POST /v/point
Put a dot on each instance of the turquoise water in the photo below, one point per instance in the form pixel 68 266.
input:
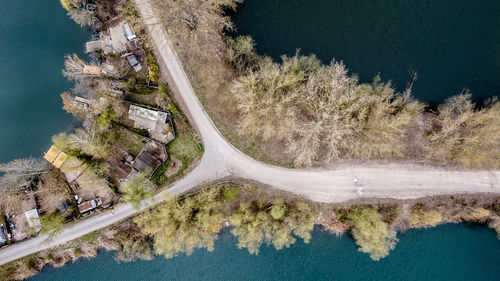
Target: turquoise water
pixel 36 35
pixel 448 252
pixel 451 44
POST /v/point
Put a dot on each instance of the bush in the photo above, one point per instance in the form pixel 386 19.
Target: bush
pixel 163 90
pixel 278 224
pixel 475 214
pixel 154 70
pixel 66 4
pixel 105 119
pixel 91 237
pixel 142 132
pixel 231 193
pixel 372 235
pixel 495 224
pixel 138 188
pixel 133 249
pixel 77 252
pixel 172 108
pixel 180 226
pixel 51 223
pixel 425 218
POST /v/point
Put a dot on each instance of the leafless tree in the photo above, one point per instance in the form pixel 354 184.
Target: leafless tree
pixel 77 11
pixel 73 67
pixel 467 135
pixel 20 171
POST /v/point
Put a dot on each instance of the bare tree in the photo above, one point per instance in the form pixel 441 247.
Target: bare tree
pixel 76 69
pixel 322 112
pixel 20 171
pixel 467 135
pixel 91 142
pixel 73 67
pixel 77 11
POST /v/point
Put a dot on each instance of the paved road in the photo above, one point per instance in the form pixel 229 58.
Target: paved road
pixel 221 159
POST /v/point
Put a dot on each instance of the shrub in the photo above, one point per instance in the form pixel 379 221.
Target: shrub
pixel 91 237
pixel 180 226
pixel 425 218
pixel 372 235
pixel 77 252
pixel 105 119
pixel 66 4
pixel 172 108
pixel 278 224
pixel 231 193
pixel 142 132
pixel 162 89
pixel 51 223
pixel 495 224
pixel 475 214
pixel 138 188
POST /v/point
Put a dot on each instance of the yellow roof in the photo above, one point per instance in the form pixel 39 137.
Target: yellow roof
pixel 52 154
pixel 55 156
pixel 60 160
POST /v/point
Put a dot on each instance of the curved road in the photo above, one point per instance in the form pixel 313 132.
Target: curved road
pixel 222 159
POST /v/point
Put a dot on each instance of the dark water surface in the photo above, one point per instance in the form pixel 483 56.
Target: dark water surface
pixel 451 44
pixel 448 252
pixel 35 36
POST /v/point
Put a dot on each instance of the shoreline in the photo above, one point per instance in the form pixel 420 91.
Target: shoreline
pixel 104 240
pixel 68 257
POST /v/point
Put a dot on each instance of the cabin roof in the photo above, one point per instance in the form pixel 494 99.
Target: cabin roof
pixel 87 206
pixel 61 158
pixel 52 154
pixel 122 170
pixel 55 156
pixel 128 32
pixel 93 46
pixel 33 219
pixel 145 160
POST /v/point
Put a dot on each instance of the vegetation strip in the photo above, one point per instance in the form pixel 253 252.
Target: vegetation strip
pixel 259 215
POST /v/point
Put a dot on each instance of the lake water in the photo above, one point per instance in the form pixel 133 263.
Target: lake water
pixel 35 37
pixel 451 44
pixel 447 252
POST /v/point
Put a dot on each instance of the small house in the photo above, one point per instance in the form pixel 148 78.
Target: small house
pixel 89 205
pixel 128 32
pixel 157 122
pixel 103 44
pixel 145 160
pixel 33 219
pixel 122 169
pixel 55 156
pixel 31 212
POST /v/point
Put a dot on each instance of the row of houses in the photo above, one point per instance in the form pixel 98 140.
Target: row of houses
pixel 117 39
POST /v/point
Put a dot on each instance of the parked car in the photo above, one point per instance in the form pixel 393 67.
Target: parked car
pixel 132 60
pixel 3 234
